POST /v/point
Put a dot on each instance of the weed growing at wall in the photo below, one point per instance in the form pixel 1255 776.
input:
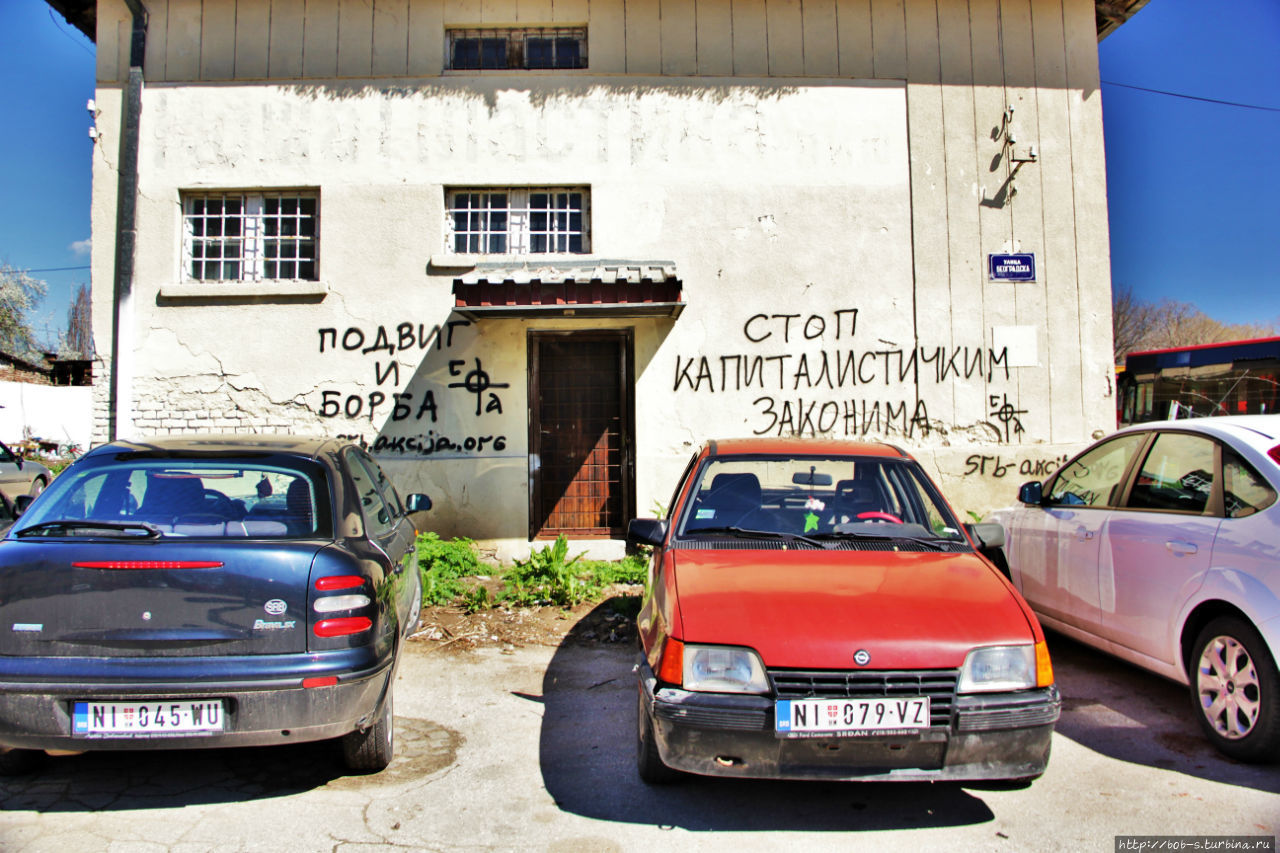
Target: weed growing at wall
pixel 549 576
pixel 442 566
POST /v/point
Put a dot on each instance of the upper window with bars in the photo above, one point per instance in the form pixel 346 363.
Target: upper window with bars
pixel 476 49
pixel 249 237
pixel 518 221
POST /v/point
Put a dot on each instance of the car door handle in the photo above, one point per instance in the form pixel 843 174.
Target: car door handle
pixel 1181 549
pixel 1084 534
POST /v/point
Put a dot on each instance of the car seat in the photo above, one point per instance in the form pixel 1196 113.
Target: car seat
pixel 730 497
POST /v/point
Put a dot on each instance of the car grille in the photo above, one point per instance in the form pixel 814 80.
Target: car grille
pixel 938 684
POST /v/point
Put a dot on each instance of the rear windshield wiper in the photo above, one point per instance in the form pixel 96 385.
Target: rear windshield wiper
pixel 149 531
pixel 935 544
pixel 747 533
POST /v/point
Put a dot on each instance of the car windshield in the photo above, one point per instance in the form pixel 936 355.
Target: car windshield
pixel 818 498
pixel 181 497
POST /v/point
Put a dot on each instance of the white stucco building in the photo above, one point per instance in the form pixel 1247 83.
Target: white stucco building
pixel 535 251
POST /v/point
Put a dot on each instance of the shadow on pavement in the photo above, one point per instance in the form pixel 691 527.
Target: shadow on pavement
pixel 159 779
pixel 1126 713
pixel 587 753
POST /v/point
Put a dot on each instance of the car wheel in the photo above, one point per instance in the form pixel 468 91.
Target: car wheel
pixel 37 486
pixel 648 761
pixel 415 615
pixel 371 750
pixel 1236 690
pixel 15 762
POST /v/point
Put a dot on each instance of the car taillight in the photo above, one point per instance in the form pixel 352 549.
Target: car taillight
pixel 335 582
pixel 146 564
pixel 341 594
pixel 338 603
pixel 1274 453
pixel 1044 669
pixel 342 626
pixel 671 668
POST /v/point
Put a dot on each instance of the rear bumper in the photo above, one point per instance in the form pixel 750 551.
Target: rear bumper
pixel 999 736
pixel 263 698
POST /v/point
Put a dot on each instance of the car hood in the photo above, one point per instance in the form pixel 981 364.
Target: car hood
pixel 813 610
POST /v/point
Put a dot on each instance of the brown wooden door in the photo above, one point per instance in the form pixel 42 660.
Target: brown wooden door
pixel 580 434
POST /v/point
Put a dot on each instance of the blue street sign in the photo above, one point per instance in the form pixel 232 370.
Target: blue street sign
pixel 1019 267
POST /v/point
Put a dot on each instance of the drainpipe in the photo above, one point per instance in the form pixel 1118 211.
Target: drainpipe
pixel 120 396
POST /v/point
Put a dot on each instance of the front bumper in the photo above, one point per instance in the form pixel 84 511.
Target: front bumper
pixel 996 736
pixel 263 698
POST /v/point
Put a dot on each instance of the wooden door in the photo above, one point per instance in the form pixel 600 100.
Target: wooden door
pixel 580 434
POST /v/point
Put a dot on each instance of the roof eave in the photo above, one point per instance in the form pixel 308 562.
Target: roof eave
pixel 83 14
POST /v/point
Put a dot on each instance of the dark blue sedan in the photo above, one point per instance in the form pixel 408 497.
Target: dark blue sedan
pixel 205 592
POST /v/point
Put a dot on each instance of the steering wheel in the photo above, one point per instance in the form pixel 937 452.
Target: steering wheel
pixel 878 516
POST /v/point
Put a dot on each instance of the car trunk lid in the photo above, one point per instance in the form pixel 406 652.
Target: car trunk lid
pixel 158 598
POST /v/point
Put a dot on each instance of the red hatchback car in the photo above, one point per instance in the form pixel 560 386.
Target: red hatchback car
pixel 815 611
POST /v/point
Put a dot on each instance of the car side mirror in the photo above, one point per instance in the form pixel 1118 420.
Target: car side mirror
pixel 989 534
pixel 417 503
pixel 646 531
pixel 1031 493
pixel 20 504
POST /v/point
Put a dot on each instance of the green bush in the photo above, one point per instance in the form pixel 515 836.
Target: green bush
pixel 442 563
pixel 550 576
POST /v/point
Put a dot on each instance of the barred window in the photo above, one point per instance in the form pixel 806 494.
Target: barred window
pixel 518 221
pixel 250 237
pixel 525 47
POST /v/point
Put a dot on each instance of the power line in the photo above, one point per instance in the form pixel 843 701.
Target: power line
pixel 57 269
pixel 1194 97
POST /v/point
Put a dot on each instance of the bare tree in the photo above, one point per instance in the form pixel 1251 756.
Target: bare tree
pixel 1131 319
pixel 19 294
pixel 1137 325
pixel 77 340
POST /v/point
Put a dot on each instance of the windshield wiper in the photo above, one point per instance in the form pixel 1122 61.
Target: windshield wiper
pixel 935 544
pixel 758 534
pixel 149 531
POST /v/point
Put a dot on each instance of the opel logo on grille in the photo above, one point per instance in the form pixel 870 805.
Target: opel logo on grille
pixel 275 607
pixel 862 657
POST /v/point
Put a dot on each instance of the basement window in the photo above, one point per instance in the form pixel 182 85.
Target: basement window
pixel 250 237
pixel 518 221
pixel 474 49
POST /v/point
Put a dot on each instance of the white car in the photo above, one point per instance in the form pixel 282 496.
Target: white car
pixel 1160 544
pixel 20 476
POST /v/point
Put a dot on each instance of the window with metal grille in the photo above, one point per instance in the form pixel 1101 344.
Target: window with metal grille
pixel 517 221
pixel 250 236
pixel 523 47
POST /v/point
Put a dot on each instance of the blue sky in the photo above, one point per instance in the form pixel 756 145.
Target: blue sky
pixel 1193 185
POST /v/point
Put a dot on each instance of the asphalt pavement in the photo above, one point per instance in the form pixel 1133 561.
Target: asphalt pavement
pixel 533 749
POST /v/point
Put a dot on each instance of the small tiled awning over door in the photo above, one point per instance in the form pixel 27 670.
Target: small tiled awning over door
pixel 588 288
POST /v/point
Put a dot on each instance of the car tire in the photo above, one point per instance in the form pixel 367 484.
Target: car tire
pixel 372 749
pixel 415 614
pixel 649 763
pixel 15 762
pixel 1235 690
pixel 37 486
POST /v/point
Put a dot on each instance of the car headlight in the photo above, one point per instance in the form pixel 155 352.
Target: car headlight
pixel 723 669
pixel 998 668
